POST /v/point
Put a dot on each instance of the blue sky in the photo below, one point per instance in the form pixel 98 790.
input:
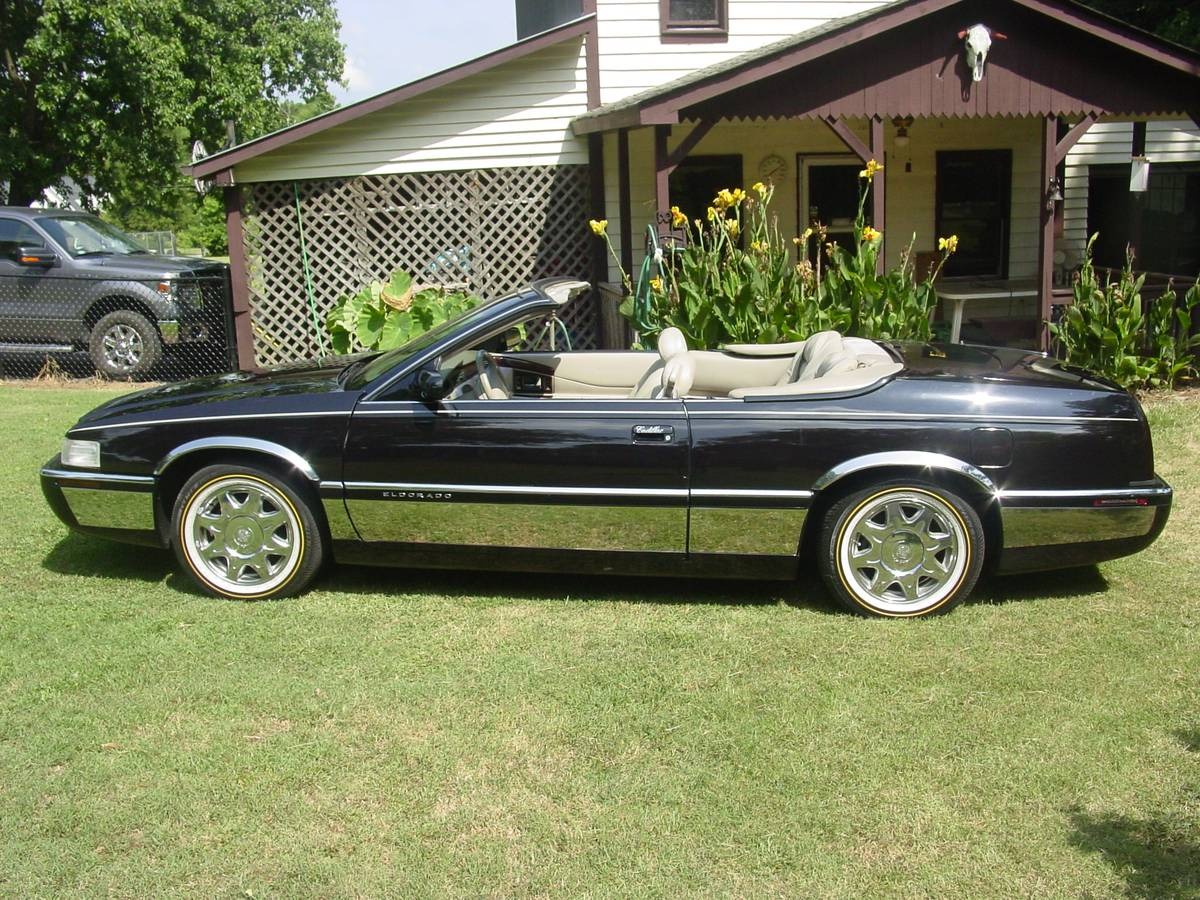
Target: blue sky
pixel 391 43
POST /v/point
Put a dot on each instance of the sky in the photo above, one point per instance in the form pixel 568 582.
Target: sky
pixel 388 44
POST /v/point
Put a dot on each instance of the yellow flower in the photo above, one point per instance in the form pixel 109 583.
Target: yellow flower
pixel 724 199
pixel 870 171
pixel 712 214
pixel 733 228
pixel 656 284
pixel 949 244
pixel 738 195
pixel 803 238
pixel 870 235
pixel 759 188
pixel 598 226
pixel 678 219
pixel 698 223
pixel 759 246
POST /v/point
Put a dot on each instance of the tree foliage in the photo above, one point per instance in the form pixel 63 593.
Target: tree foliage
pixel 108 92
pixel 1170 19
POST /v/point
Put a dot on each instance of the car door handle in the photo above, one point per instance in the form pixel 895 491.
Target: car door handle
pixel 653 434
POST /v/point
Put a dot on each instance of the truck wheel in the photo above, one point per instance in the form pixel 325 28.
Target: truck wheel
pixel 124 345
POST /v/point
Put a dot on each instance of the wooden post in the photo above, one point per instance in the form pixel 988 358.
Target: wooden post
pixel 597 207
pixel 878 185
pixel 1137 199
pixel 662 172
pixel 239 280
pixel 625 201
pixel 1046 244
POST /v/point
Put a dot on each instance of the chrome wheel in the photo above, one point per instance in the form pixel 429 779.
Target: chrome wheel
pixel 903 551
pixel 122 347
pixel 241 535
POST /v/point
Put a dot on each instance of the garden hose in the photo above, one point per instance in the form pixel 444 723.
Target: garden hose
pixel 322 350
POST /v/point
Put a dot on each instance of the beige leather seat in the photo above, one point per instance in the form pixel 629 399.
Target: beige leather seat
pixel 671 345
pixel 821 351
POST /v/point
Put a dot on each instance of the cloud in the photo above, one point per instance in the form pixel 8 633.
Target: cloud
pixel 358 80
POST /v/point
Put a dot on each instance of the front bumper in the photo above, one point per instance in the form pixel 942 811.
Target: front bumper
pixel 118 507
pixel 186 332
pixel 1061 529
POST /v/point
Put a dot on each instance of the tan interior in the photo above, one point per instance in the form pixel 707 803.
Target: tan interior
pixel 824 363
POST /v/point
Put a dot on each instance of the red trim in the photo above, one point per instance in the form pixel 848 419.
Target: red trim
pixel 239 280
pixel 697 29
pixel 578 28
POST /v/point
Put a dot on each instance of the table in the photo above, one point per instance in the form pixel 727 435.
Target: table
pixel 981 289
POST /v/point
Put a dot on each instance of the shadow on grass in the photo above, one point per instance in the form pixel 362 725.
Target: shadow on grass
pixel 804 593
pixel 1060 583
pixel 78 554
pixel 1157 857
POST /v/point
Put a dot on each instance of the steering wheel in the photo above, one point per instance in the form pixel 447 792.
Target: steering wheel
pixel 489 376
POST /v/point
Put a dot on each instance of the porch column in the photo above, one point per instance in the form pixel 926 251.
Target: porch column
pixel 596 203
pixel 239 281
pixel 624 200
pixel 662 172
pixel 1054 151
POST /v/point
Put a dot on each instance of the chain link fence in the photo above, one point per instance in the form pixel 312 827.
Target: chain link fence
pixel 124 329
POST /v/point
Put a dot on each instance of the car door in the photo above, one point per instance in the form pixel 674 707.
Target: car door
pixel 536 473
pixel 24 317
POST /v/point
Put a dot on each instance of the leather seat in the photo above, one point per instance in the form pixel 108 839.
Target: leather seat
pixel 671 345
pixel 819 351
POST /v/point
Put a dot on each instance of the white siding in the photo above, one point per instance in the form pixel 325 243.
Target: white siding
pixel 1108 143
pixel 910 195
pixel 516 114
pixel 634 58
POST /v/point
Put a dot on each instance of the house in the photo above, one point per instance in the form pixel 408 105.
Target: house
pixel 486 173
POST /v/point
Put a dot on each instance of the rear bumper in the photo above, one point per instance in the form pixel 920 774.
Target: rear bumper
pixel 1060 529
pixel 117 507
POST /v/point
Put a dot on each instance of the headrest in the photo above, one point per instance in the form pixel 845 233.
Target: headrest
pixel 837 364
pixel 678 375
pixel 671 342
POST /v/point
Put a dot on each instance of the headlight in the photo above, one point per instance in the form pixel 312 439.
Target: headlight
pixel 84 454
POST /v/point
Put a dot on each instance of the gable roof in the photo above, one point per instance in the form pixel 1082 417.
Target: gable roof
pixel 226 159
pixel 662 105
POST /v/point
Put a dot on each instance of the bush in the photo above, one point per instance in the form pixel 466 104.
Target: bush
pixel 1110 331
pixel 734 281
pixel 388 314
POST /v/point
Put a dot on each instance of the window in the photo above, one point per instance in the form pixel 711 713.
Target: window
pixel 827 194
pixel 973 198
pixel 1162 224
pixel 694 20
pixel 15 234
pixel 696 181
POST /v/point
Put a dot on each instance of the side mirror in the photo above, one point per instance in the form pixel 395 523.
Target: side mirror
pixel 431 385
pixel 35 257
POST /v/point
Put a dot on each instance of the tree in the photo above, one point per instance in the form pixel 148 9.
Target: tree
pixel 1170 19
pixel 106 92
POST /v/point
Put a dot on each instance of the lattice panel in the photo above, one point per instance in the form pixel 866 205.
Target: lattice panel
pixel 490 231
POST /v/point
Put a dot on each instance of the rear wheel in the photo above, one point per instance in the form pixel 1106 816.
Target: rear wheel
pixel 245 533
pixel 901 549
pixel 124 344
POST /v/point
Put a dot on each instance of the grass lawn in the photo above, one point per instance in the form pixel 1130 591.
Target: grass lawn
pixel 414 733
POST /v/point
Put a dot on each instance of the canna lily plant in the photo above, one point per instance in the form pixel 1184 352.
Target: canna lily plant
pixel 735 279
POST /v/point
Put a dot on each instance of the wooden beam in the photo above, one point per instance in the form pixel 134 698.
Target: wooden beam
pixel 688 144
pixel 1071 138
pixel 1137 199
pixel 239 281
pixel 848 137
pixel 625 200
pixel 878 186
pixel 596 204
pixel 1046 211
pixel 662 172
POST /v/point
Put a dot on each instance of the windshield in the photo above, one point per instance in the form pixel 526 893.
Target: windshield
pixel 89 236
pixel 377 365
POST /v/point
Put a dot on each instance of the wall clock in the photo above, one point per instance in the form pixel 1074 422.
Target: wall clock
pixel 772 169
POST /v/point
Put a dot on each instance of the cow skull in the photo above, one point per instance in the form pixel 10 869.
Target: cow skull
pixel 979 42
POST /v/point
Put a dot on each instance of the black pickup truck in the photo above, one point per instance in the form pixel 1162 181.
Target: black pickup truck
pixel 70 281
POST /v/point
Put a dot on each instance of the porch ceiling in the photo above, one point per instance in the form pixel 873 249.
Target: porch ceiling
pixel 906 59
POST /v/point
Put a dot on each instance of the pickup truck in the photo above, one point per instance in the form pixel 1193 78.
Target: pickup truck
pixel 70 281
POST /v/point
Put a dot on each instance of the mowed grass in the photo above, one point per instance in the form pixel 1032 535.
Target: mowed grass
pixel 399 733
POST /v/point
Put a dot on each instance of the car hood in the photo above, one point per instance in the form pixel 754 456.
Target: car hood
pixel 142 266
pixel 1004 365
pixel 228 394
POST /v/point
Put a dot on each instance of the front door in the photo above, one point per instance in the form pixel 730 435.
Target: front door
pixel 601 474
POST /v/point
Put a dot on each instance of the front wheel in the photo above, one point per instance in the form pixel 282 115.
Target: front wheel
pixel 244 533
pixel 124 345
pixel 901 549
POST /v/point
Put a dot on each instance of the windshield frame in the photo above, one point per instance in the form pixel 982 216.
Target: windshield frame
pixel 104 233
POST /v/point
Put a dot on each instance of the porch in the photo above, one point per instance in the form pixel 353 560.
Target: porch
pixel 983 160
